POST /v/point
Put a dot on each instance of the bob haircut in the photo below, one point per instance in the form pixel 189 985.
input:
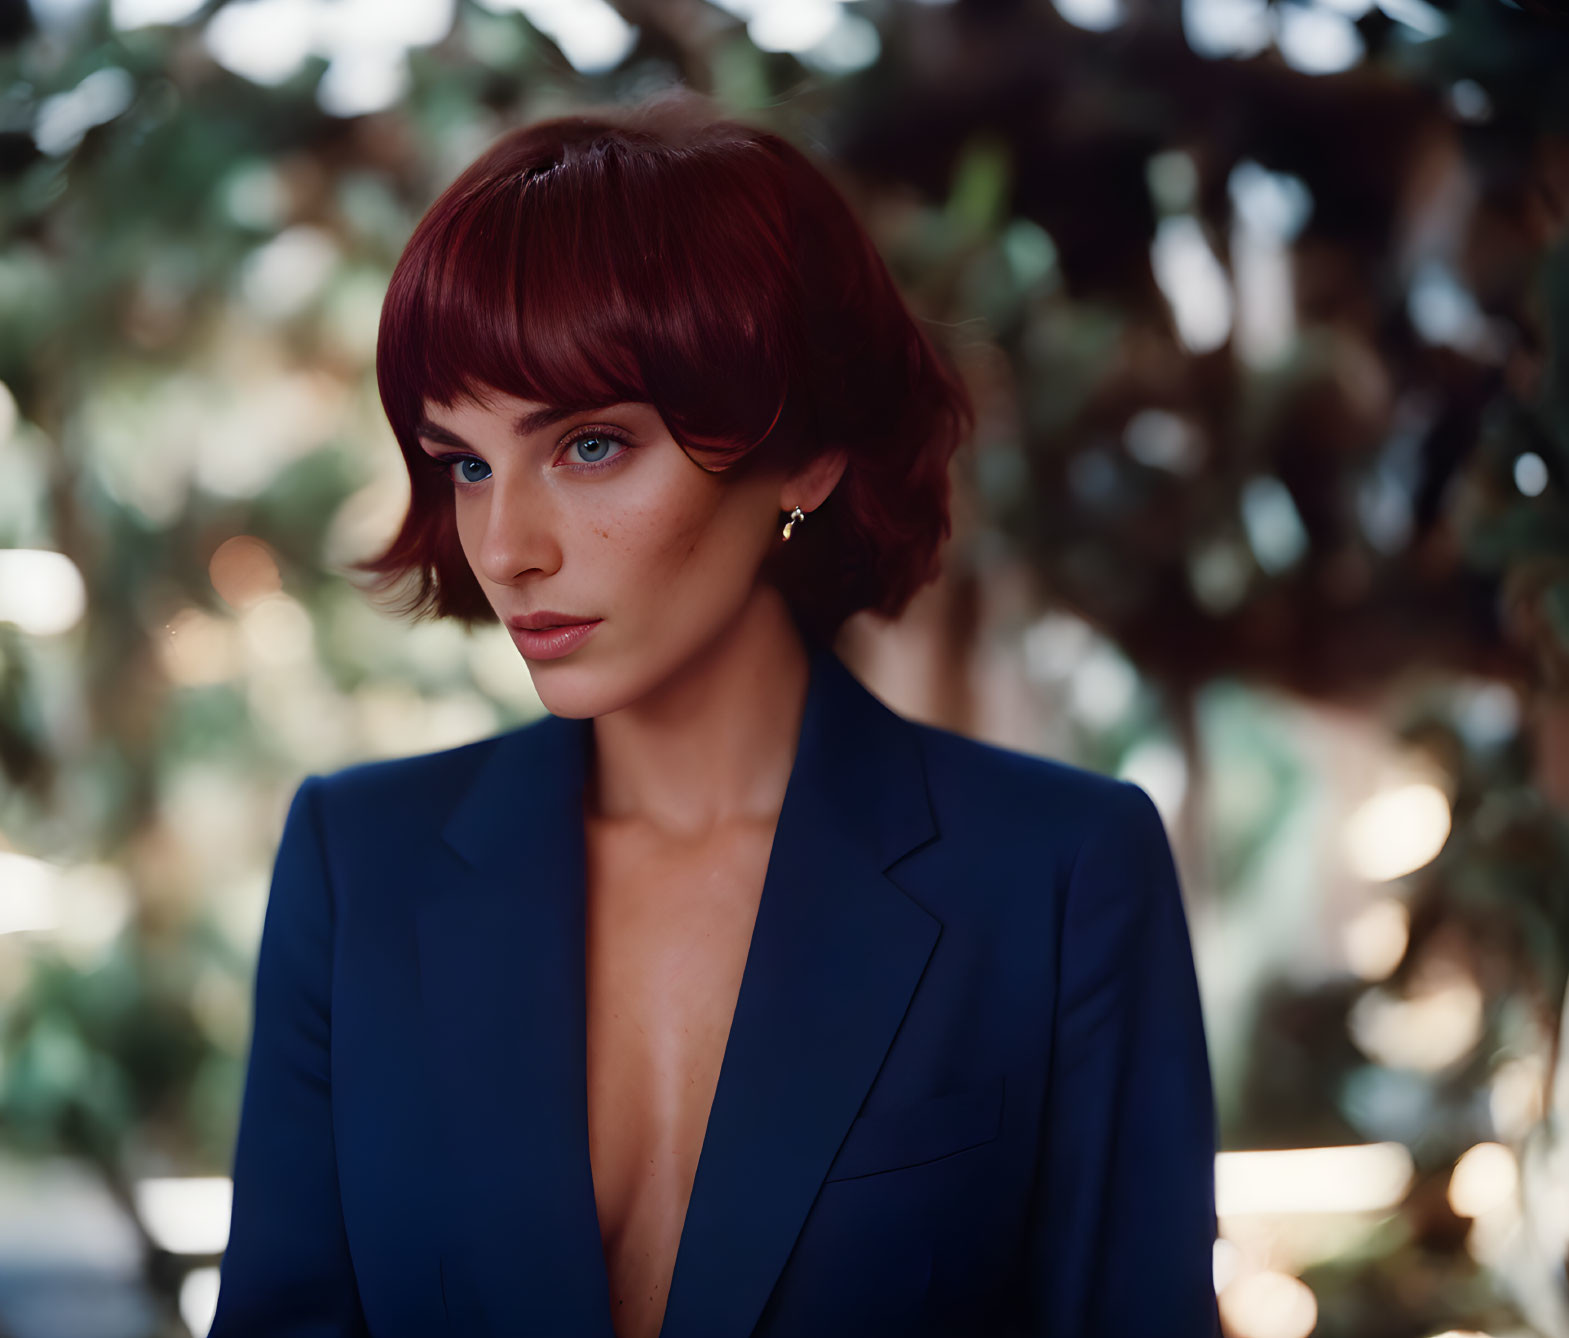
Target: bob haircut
pixel 657 253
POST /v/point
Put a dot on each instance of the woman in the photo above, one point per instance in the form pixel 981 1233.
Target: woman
pixel 721 1000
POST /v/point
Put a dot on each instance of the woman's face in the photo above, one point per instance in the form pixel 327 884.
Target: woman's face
pixel 601 515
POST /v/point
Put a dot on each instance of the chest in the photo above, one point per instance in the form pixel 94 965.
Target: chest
pixel 668 929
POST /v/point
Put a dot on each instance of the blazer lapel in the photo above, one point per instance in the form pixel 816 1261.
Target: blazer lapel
pixel 836 953
pixel 502 994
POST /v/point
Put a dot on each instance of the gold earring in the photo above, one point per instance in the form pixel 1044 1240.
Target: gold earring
pixel 795 514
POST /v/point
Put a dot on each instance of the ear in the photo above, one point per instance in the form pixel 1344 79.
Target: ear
pixel 809 486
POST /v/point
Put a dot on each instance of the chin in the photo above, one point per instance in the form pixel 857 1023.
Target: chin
pixel 560 699
pixel 569 690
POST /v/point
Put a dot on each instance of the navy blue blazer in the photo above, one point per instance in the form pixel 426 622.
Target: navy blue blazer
pixel 966 1090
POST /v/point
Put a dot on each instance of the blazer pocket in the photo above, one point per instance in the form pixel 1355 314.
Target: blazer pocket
pixel 940 1125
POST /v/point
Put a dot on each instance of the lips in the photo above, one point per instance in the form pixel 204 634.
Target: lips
pixel 549 643
pixel 546 620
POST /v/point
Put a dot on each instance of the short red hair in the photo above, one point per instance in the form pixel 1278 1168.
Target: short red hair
pixel 657 253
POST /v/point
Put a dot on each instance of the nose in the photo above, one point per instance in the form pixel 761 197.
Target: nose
pixel 519 535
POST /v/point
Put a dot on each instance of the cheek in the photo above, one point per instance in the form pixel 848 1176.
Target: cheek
pixel 685 544
pixel 465 522
pixel 469 523
pixel 659 545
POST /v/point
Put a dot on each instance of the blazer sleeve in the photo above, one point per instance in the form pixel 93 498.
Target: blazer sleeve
pixel 286 1272
pixel 1123 1224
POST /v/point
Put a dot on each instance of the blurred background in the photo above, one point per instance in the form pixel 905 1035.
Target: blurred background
pixel 1262 303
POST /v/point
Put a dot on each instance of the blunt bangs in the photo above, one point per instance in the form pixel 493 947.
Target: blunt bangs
pixel 604 278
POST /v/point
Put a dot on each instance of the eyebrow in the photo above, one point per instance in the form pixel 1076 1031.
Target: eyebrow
pixel 524 425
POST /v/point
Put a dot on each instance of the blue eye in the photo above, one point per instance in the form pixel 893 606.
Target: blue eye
pixel 592 445
pixel 590 460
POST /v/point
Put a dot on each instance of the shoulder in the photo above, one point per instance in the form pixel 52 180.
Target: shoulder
pixel 408 789
pixel 978 782
pixel 1097 842
pixel 1030 844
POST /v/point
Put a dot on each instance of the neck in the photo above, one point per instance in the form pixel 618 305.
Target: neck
pixel 716 740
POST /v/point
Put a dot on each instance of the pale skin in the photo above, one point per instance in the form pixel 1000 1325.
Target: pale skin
pixel 696 682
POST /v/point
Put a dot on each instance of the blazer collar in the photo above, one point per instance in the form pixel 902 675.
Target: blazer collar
pixel 836 953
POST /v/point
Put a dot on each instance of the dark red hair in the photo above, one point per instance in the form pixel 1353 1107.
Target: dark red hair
pixel 657 253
